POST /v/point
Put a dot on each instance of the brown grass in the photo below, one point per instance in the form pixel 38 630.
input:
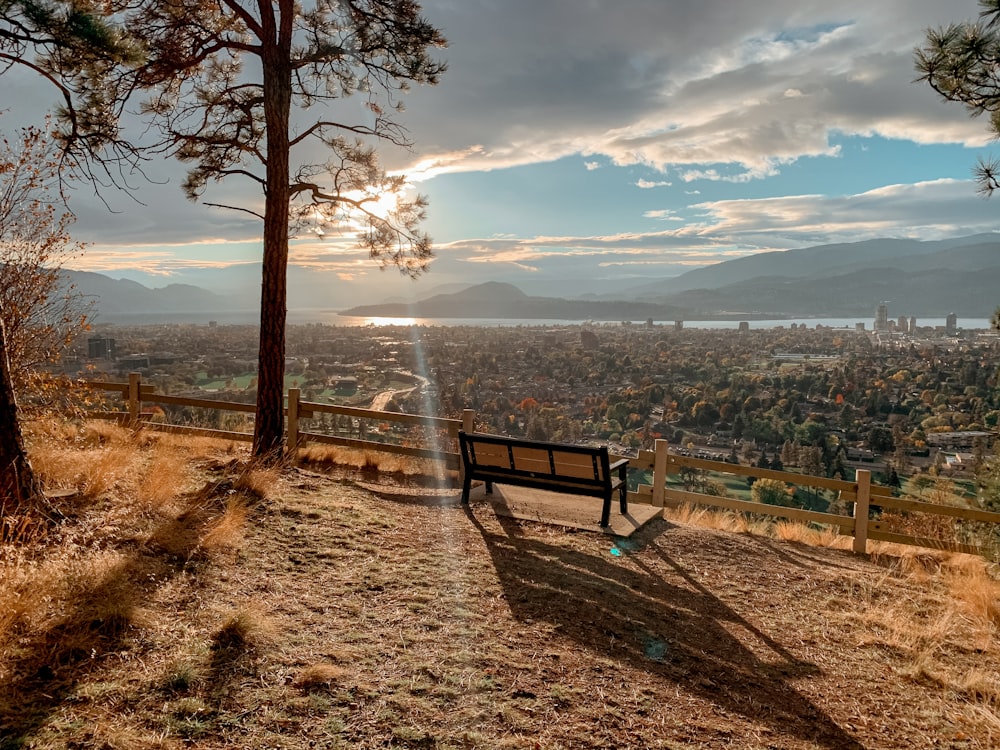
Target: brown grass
pixel 201 600
pixel 323 675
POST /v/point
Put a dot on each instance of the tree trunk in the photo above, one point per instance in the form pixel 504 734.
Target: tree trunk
pixel 19 488
pixel 269 424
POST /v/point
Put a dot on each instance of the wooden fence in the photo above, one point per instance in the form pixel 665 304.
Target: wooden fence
pixel 861 493
pixel 440 443
pixel 440 440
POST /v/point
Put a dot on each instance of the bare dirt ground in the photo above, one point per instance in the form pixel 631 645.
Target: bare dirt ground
pixel 346 617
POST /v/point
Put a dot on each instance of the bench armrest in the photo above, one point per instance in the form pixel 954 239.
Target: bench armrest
pixel 618 464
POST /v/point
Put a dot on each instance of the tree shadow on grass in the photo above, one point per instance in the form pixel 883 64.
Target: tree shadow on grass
pixel 678 631
pixel 102 619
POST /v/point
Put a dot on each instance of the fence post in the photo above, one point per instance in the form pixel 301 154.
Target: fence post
pixel 292 439
pixel 468 425
pixel 660 473
pixel 134 398
pixel 864 480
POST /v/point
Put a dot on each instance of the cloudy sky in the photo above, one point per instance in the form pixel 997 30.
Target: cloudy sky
pixel 579 141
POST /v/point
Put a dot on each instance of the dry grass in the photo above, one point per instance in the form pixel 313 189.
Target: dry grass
pixel 323 675
pixel 201 600
pixel 368 464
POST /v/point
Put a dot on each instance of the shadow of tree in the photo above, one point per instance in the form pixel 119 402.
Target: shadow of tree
pixel 679 632
pixel 102 618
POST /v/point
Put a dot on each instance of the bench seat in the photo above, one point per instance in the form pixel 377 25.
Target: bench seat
pixel 573 469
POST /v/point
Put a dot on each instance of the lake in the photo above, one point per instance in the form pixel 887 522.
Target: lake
pixel 331 317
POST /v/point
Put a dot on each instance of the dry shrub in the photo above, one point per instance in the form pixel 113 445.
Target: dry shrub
pixel 977 592
pixel 319 676
pixel 369 462
pixel 69 606
pixel 981 686
pixel 793 531
pixel 165 476
pixel 243 629
pixel 98 432
pixel 226 533
pixel 924 525
pixel 99 462
pixel 259 482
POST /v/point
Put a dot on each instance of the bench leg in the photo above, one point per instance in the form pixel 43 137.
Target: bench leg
pixel 466 488
pixel 606 511
pixel 489 487
pixel 623 502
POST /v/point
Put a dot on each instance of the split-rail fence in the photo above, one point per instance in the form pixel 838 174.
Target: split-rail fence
pixel 440 444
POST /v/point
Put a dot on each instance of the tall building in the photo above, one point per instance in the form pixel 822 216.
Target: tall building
pixel 101 347
pixel 903 325
pixel 913 324
pixel 951 323
pixel 882 316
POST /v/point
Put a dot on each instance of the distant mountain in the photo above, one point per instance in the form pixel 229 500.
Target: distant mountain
pixel 917 278
pixel 498 300
pixel 829 261
pixel 117 297
pixel 933 292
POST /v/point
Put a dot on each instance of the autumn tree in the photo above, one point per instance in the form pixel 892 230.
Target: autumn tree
pixel 39 315
pixel 40 311
pixel 75 49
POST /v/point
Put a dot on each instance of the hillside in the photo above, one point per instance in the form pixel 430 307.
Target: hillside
pixel 186 599
pixel 498 300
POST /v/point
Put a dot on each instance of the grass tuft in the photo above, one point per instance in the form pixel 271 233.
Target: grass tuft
pixel 322 675
pixel 242 630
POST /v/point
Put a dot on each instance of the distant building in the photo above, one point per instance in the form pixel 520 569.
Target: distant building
pixel 951 323
pixel 744 326
pixel 882 316
pixel 101 347
pixel 903 325
pixel 678 325
pixel 959 439
pixel 913 324
pixel 859 326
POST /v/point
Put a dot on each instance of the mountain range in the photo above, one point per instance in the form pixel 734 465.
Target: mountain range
pixel 917 278
pixel 925 279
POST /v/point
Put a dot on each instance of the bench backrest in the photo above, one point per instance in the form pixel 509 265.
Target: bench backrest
pixel 589 465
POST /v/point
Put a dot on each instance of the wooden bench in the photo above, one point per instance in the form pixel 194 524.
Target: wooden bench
pixel 574 469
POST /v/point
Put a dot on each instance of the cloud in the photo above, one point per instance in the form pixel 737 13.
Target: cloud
pixel 728 229
pixel 716 95
pixel 755 86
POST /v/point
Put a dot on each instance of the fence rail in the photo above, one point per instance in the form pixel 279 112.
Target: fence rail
pixel 441 446
pixel 861 492
pixel 135 394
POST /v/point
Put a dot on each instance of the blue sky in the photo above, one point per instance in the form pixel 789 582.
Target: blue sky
pixel 574 143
